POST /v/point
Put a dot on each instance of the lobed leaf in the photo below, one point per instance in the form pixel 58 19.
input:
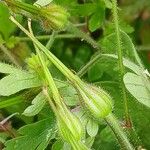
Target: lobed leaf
pixel 14 83
pixel 33 136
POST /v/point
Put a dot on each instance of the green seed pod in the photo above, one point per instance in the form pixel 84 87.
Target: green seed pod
pixel 69 125
pixel 95 100
pixel 54 17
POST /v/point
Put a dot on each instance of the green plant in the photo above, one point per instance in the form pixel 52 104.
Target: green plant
pixel 91 105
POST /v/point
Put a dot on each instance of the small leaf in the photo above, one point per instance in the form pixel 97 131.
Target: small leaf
pixel 37 105
pixel 34 136
pixel 43 2
pixel 92 128
pixel 137 87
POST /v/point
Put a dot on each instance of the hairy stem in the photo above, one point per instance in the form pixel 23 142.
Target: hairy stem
pixel 46 37
pixel 71 28
pixel 120 61
pixel 118 131
pixel 51 40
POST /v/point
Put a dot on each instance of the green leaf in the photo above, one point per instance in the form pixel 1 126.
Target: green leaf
pixel 97 18
pixel 84 9
pixel 9 101
pixel 33 136
pixel 108 3
pixel 58 145
pixel 14 83
pixel 92 128
pixel 104 69
pixel 105 140
pixel 69 94
pixel 37 105
pixel 136 85
pixel 19 80
pixel 109 45
pixel 6 68
pixel 6 26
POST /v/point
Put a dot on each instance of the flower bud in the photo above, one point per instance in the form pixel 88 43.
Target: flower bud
pixel 54 17
pixel 33 62
pixel 69 126
pixel 95 100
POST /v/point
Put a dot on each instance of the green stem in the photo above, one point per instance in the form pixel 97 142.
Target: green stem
pixel 46 37
pixel 118 131
pixel 11 101
pixel 120 60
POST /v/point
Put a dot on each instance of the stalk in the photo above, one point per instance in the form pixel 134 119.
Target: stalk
pixel 51 40
pixel 120 61
pixel 73 29
pixel 118 131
